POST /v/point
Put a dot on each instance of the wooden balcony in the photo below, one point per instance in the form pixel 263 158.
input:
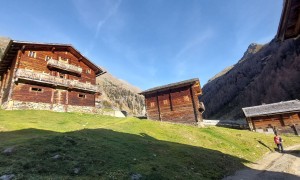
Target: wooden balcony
pixel 64 66
pixel 42 78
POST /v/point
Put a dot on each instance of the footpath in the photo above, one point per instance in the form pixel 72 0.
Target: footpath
pixel 274 165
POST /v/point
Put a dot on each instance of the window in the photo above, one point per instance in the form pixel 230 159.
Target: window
pixel 28 69
pixel 88 71
pixel 63 59
pixel 165 102
pixel 48 58
pixel 36 89
pixel 62 75
pixel 81 95
pixel 152 104
pixel 32 54
pixel 186 98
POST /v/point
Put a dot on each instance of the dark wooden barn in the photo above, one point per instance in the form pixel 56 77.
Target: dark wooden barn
pixel 289 26
pixel 47 76
pixel 282 116
pixel 176 102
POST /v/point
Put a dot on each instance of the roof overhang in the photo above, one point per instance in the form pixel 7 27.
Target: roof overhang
pixel 289 26
pixel 272 109
pixel 14 46
pixel 170 86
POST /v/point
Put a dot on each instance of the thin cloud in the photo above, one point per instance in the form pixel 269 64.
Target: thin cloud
pixel 94 15
pixel 110 13
pixel 194 43
pixel 181 62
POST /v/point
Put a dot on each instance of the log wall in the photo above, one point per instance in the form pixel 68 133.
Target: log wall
pixel 178 105
pixel 39 63
pixel 21 91
pixel 279 121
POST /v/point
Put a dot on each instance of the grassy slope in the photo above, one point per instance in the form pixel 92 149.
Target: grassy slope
pixel 104 147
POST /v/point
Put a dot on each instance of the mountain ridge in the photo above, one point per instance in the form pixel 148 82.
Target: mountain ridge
pixel 266 75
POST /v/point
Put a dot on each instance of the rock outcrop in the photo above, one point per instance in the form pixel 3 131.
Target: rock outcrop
pixel 120 95
pixel 265 74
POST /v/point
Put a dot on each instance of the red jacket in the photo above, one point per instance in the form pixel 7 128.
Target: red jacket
pixel 277 140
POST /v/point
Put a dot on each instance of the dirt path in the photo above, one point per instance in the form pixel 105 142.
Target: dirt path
pixel 274 165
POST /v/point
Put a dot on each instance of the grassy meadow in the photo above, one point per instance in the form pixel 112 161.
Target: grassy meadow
pixel 50 145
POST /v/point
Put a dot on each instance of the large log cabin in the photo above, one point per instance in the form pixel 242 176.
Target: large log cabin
pixel 289 26
pixel 48 77
pixel 176 102
pixel 283 117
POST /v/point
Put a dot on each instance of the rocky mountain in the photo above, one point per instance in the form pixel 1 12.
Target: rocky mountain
pixel 3 44
pixel 265 74
pixel 120 95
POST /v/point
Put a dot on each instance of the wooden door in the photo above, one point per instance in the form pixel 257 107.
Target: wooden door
pixel 59 100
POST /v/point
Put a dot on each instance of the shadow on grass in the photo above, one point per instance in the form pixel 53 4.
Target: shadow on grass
pixel 107 154
pixel 262 143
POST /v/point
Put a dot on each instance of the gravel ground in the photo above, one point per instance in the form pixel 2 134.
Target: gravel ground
pixel 273 166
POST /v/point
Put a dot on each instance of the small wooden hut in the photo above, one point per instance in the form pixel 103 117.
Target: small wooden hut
pixel 283 116
pixel 176 102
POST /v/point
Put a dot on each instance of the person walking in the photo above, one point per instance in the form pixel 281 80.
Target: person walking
pixel 278 141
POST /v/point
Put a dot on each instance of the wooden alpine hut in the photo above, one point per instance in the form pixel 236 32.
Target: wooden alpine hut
pixel 176 102
pixel 47 76
pixel 282 116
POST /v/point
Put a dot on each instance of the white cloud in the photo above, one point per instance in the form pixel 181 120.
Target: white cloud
pixel 95 14
pixel 110 13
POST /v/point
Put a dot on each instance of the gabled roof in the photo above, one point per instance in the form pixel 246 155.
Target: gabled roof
pixel 289 26
pixel 14 46
pixel 270 109
pixel 171 86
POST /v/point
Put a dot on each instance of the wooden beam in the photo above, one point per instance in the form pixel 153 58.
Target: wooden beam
pixel 23 49
pixel 170 99
pixel 297 28
pixel 281 120
pixel 253 124
pixel 194 106
pixel 158 108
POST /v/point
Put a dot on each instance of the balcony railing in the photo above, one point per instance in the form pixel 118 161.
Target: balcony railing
pixel 64 66
pixel 53 80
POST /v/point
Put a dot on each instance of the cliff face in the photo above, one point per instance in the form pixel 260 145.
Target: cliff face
pixel 118 94
pixel 265 74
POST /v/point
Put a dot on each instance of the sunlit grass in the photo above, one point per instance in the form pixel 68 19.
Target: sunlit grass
pixel 112 148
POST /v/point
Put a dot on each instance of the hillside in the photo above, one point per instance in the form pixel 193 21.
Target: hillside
pixel 265 74
pixel 118 94
pixel 47 145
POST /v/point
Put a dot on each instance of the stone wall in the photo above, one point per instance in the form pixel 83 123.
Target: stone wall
pixel 21 105
pixel 84 109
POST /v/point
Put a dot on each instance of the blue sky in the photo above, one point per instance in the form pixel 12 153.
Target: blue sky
pixel 147 42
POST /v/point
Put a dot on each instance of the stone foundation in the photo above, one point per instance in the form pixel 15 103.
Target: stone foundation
pixel 21 105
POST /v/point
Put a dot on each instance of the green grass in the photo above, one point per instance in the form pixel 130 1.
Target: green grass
pixel 104 147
